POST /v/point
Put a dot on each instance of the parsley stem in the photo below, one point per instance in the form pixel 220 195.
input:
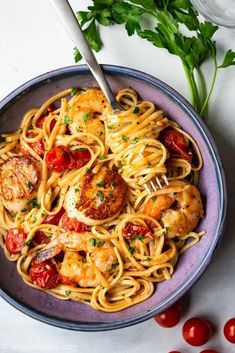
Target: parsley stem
pixel 195 98
pixel 205 104
pixel 202 84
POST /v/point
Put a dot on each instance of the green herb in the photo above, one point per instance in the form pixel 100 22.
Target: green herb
pixel 24 209
pixel 28 184
pixel 136 110
pixel 125 138
pixel 113 266
pixel 100 196
pixel 34 203
pixel 139 237
pixel 110 127
pixel 135 140
pixel 27 243
pixel 80 149
pixel 30 127
pixel 66 120
pixel 153 198
pixel 100 184
pixel 86 117
pixel 100 243
pixel 103 158
pixel 34 219
pixel 74 91
pixel 166 230
pixel 111 196
pixel 149 165
pixel 92 241
pixel 172 20
pixel 131 249
pixel 76 190
pixel 67 292
pixel 87 170
pixel 101 133
pixel 43 213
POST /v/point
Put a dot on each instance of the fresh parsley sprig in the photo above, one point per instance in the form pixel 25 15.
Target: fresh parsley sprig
pixel 171 18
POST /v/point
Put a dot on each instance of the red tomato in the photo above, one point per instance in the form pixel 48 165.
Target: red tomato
pixel 131 230
pixel 15 240
pixel 44 275
pixel 58 158
pixel 66 281
pixel 229 330
pixel 170 317
pixel 197 331
pixel 174 141
pixel 38 146
pixel 80 157
pixel 41 238
pixel 209 351
pixel 54 219
pixel 72 224
pixel 42 118
pixel 174 352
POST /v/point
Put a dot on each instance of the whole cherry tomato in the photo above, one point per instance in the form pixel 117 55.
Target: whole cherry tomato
pixel 15 239
pixel 197 331
pixel 229 330
pixel 170 317
pixel 132 230
pixel 41 238
pixel 72 224
pixel 174 141
pixel 44 275
pixel 209 351
pixel 66 281
pixel 58 159
pixel 54 219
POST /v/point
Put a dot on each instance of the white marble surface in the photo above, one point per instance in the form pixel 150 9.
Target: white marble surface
pixel 33 42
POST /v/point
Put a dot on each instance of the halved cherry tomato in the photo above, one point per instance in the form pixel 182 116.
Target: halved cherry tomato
pixel 197 331
pixel 80 157
pixel 174 141
pixel 169 317
pixel 131 230
pixel 54 219
pixel 44 275
pixel 58 158
pixel 66 281
pixel 209 351
pixel 41 238
pixel 15 239
pixel 42 118
pixel 72 224
pixel 229 330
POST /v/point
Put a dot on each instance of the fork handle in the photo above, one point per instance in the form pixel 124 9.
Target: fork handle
pixel 72 26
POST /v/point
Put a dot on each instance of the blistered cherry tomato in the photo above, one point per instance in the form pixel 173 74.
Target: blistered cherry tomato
pixel 174 141
pixel 209 351
pixel 72 224
pixel 58 158
pixel 132 230
pixel 41 238
pixel 66 281
pixel 197 331
pixel 44 275
pixel 54 219
pixel 42 118
pixel 170 317
pixel 79 158
pixel 229 330
pixel 15 240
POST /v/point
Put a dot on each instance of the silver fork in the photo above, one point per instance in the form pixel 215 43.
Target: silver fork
pixel 155 184
pixel 68 18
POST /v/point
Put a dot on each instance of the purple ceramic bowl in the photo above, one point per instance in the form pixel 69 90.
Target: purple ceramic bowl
pixel 191 265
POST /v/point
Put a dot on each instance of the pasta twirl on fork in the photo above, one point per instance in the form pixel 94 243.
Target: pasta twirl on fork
pixel 77 214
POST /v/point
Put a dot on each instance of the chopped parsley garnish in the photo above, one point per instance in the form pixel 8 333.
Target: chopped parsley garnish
pixel 66 120
pixel 149 165
pixel 153 198
pixel 27 243
pixel 80 149
pixel 30 127
pixel 135 140
pixel 67 292
pixel 125 138
pixel 87 170
pixel 139 237
pixel 24 209
pixel 102 158
pixel 100 184
pixel 166 230
pixel 100 195
pixel 113 266
pixel 86 117
pixel 35 203
pixel 28 184
pixel 43 213
pixel 100 243
pixel 92 241
pixel 111 196
pixel 76 190
pixel 136 110
pixel 110 127
pixel 101 133
pixel 74 91
pixel 95 242
pixel 131 249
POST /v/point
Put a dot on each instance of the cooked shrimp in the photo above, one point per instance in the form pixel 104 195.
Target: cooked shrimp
pixel 178 213
pixel 19 181
pixel 88 108
pixel 101 196
pixel 74 265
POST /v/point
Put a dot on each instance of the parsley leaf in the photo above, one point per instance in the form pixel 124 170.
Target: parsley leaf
pixel 100 196
pixel 86 117
pixel 229 59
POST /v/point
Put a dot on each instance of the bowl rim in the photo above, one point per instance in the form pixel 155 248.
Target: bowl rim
pixel 209 141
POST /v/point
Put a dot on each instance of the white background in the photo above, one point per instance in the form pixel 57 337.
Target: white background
pixel 32 41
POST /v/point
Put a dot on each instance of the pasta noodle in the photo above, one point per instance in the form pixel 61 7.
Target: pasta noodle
pixel 97 206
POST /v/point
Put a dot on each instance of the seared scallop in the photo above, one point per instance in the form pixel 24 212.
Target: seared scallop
pixel 98 199
pixel 19 181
